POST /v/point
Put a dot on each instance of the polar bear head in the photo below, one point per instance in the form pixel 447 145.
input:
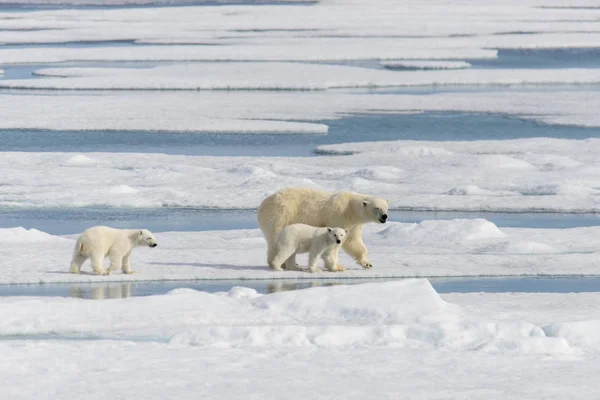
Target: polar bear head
pixel 375 209
pixel 337 235
pixel 146 238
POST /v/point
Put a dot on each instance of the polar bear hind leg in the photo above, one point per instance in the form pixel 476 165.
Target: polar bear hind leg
pixel 77 262
pixel 97 264
pixel 282 256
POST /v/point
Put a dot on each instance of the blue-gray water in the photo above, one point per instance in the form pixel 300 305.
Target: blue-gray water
pixel 65 221
pixel 450 126
pixel 101 291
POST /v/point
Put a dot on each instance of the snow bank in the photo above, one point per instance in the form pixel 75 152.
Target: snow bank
pixel 287 76
pixel 530 175
pixel 20 235
pixel 406 314
pixel 429 249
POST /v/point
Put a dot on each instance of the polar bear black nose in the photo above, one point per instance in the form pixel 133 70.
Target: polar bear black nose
pixel 338 241
pixel 383 218
pixel 153 245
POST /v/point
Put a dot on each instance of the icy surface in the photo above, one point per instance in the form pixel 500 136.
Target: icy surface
pixel 288 76
pixel 273 111
pixel 408 339
pixel 512 175
pixel 468 247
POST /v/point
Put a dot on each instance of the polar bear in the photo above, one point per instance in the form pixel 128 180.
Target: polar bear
pixel 347 210
pixel 301 238
pixel 100 241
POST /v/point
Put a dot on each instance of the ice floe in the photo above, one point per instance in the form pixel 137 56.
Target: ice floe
pixel 524 175
pixel 288 76
pixel 467 247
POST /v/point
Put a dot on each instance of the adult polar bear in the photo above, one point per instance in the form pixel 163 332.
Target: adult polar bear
pixel 347 210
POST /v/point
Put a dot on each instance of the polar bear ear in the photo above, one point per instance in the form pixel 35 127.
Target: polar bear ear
pixel 346 230
pixel 328 229
pixel 365 203
pixel 141 233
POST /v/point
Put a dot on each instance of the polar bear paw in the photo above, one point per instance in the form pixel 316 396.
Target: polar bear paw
pixel 365 264
pixel 101 272
pixel 129 272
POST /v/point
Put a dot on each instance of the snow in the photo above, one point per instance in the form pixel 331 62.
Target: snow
pixel 288 76
pixel 406 337
pixel 355 49
pixel 467 247
pixel 523 175
pixel 273 112
pixel 374 340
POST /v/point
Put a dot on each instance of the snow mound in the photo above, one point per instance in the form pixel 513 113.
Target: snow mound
pixel 425 65
pixel 578 333
pixel 22 235
pixel 240 292
pixel 251 171
pixel 521 247
pixel 421 151
pixel 503 161
pixel 80 159
pixel 380 172
pixel 472 190
pixel 123 189
pixel 451 231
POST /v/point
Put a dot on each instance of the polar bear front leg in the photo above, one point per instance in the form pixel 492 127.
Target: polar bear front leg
pixel 313 256
pixel 126 267
pixel 356 248
pixel 330 257
pixel 115 261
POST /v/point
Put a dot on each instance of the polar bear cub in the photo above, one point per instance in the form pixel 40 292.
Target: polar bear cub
pixel 301 238
pixel 98 242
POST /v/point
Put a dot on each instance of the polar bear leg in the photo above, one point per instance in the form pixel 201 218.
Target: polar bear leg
pixel 125 266
pixel 290 263
pixel 356 248
pixel 312 261
pixel 330 257
pixel 97 261
pixel 77 262
pixel 115 261
pixel 281 256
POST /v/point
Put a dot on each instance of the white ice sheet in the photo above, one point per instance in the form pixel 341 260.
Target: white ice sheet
pixel 471 247
pixel 514 175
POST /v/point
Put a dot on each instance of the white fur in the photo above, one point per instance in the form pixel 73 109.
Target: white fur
pixel 347 210
pixel 301 238
pixel 99 242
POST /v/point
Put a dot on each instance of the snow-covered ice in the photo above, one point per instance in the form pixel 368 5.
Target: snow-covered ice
pixel 512 175
pixel 288 76
pixel 274 111
pixel 397 338
pixel 467 247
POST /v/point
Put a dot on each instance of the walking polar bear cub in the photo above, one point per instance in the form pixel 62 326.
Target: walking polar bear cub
pixel 347 210
pixel 100 241
pixel 300 238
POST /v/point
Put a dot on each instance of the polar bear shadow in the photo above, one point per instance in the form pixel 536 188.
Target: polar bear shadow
pixel 216 266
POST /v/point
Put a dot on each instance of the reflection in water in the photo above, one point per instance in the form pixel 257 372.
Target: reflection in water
pixel 283 286
pixel 123 290
pixel 102 291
